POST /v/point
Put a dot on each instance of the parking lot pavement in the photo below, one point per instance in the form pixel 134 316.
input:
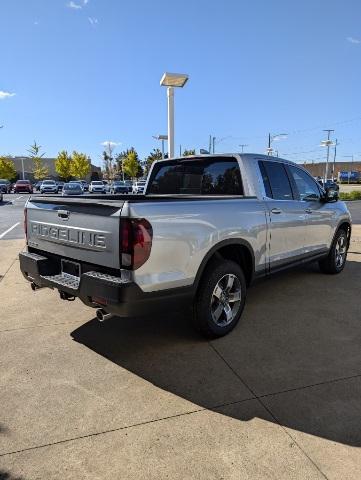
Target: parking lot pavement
pixel 146 398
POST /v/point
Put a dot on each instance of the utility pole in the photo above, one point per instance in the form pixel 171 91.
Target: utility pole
pixel 269 144
pixel 180 150
pixel 327 144
pixel 242 146
pixel 213 142
pixel 334 160
pixel 210 144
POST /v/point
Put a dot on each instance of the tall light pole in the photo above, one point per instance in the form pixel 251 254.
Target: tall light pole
pixel 334 160
pixel 171 80
pixel 327 143
pixel 271 138
pixel 162 138
pixel 242 146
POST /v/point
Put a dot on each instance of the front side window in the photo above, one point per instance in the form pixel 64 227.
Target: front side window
pixel 213 176
pixel 306 186
pixel 276 182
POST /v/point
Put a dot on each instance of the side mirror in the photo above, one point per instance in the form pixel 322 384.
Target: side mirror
pixel 331 195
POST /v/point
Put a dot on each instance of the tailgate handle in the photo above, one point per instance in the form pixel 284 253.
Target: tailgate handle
pixel 64 214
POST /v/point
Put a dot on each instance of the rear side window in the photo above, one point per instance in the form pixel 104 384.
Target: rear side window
pixel 275 180
pixel 217 176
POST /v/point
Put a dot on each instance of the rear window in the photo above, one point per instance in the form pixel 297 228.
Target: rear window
pixel 48 182
pixel 212 176
pixel 23 182
pixel 97 183
pixel 72 186
pixel 275 180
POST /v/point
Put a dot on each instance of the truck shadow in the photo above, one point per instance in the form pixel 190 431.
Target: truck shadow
pixel 297 348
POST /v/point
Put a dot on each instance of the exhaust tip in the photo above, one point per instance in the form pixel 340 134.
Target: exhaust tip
pixel 102 315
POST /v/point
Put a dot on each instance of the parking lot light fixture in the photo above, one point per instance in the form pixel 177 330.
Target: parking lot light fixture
pixel 271 138
pixel 172 80
pixel 162 138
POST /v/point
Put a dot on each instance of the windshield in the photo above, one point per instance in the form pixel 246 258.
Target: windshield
pixel 48 182
pixel 23 182
pixel 98 183
pixel 213 176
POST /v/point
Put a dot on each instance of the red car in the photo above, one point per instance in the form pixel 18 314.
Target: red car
pixel 23 186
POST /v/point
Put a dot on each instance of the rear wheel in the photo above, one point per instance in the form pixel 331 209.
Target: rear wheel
pixel 220 299
pixel 336 259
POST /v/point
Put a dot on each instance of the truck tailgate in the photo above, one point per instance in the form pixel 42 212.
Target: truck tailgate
pixel 84 229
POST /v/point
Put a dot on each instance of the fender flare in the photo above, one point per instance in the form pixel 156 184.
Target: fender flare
pixel 215 249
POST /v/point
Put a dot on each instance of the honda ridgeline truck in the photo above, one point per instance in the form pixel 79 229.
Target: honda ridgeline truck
pixel 204 229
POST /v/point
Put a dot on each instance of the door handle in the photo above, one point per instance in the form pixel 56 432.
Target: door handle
pixel 308 210
pixel 276 211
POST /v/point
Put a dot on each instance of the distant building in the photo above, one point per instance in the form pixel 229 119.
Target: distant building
pixel 26 163
pixel 318 169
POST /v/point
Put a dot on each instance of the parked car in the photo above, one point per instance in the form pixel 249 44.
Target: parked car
pixel 328 184
pixel 79 182
pixel 60 186
pixel 96 186
pixel 1 196
pixel 72 189
pixel 23 186
pixel 5 186
pixel 206 227
pixel 118 187
pixel 138 187
pixel 129 185
pixel 48 186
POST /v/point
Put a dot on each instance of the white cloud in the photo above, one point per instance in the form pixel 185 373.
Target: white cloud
pixel 110 143
pixel 353 40
pixel 93 20
pixel 5 94
pixel 77 6
pixel 36 22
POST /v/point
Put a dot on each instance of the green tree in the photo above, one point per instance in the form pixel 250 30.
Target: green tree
pixel 80 166
pixel 40 171
pixel 7 169
pixel 120 160
pixel 131 164
pixel 154 155
pixel 63 165
pixel 186 152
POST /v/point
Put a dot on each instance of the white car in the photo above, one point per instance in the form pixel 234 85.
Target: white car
pixel 97 186
pixel 138 187
pixel 48 186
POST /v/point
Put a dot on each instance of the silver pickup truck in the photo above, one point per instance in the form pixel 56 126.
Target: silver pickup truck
pixel 205 228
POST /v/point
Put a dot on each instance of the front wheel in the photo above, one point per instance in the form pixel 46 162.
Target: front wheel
pixel 336 259
pixel 220 299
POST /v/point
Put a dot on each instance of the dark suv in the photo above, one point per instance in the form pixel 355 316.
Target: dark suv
pixel 5 186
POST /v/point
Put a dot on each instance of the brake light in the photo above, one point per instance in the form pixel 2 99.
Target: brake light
pixel 135 242
pixel 26 223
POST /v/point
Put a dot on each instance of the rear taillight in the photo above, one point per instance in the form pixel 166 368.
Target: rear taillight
pixel 26 223
pixel 135 242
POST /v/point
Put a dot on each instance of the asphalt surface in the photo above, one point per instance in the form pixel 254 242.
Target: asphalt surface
pixel 12 215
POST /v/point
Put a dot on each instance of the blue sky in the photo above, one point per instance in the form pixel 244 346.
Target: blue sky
pixel 84 72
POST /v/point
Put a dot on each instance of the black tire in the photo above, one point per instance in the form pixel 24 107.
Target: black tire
pixel 206 304
pixel 336 259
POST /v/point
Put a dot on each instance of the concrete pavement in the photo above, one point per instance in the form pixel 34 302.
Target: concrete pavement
pixel 146 398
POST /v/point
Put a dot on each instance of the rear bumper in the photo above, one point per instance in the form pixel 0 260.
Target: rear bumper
pixel 118 295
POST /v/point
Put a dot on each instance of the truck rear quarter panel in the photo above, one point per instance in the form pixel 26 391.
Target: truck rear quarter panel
pixel 185 231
